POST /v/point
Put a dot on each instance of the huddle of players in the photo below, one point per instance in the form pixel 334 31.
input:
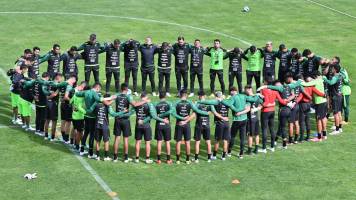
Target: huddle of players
pixel 88 110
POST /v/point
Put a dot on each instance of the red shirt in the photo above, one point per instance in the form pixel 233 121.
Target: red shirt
pixel 270 96
pixel 310 91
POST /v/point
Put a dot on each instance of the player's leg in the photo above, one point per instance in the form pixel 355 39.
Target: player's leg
pixel 187 137
pixel 197 138
pixel 144 80
pixel 221 80
pixel 152 81
pixel 108 74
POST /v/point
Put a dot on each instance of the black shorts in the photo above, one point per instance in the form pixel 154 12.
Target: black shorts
pixel 144 131
pixel 130 66
pixel 222 131
pixel 304 107
pixel 122 125
pixel 294 114
pixel 321 110
pixel 181 131
pixel 336 103
pixel 198 131
pixel 66 112
pixel 163 132
pixel 78 125
pixel 253 127
pixel 102 134
pixel 52 110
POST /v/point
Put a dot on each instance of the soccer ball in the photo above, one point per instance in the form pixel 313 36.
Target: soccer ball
pixel 246 9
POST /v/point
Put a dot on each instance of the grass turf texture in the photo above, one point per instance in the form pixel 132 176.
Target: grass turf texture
pixel 308 171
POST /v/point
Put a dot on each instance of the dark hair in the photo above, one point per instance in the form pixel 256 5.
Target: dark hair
pixel 300 76
pixel 180 38
pixel 56 45
pixel 107 95
pixel 232 88
pixel 253 49
pixel 298 56
pixel 58 74
pixel 23 67
pixel 73 48
pixel 316 74
pixel 236 50
pixel 183 91
pixel 162 94
pixel 338 59
pixel 92 36
pixel 124 86
pixel 27 51
pixel 306 52
pixel 96 85
pixel 84 82
pixel 45 74
pixel 196 40
pixel 143 94
pixel 282 46
pixel 275 82
pixel 248 87
pixel 117 41
pixel 201 93
pixel 164 44
pixel 217 40
pixel 36 48
pixel 294 50
pixel 269 80
pixel 337 68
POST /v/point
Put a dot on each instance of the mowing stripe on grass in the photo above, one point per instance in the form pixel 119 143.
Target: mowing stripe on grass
pixel 333 9
pixel 3 73
pixel 133 18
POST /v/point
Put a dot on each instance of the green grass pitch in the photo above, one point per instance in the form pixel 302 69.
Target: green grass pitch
pixel 324 170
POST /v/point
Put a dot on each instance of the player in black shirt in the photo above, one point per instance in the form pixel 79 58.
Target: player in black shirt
pixel 235 66
pixel 164 67
pixel 196 66
pixel 112 65
pixel 282 55
pixel 130 49
pixel 181 52
pixel 147 64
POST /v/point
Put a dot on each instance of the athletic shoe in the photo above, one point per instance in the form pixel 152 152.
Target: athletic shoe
pixel 154 94
pixel 107 159
pixel 158 162
pixel 168 94
pixel 285 147
pixel 169 162
pixel 135 93
pixel 333 128
pixel 213 157
pixel 191 94
pixel 67 142
pixel 325 137
pixel 195 161
pixel 271 149
pixel 340 130
pixel 178 162
pixel 262 150
pixel 115 160
pixel 97 158
pixel 335 132
pixel 128 160
pixel 24 126
pixel 295 142
pixel 187 162
pixel 149 161
pixel 212 95
pixel 13 121
pixel 240 156
pixel 45 138
pixel 209 160
pixel 137 160
pixel 228 155
pixel 37 132
pixel 82 153
pixel 223 158
pixel 275 143
pixel 93 156
pixel 19 122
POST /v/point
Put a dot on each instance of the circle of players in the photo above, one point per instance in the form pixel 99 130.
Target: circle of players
pixel 300 88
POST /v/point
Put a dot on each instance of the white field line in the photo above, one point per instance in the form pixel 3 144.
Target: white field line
pixel 333 9
pixel 234 37
pixel 3 73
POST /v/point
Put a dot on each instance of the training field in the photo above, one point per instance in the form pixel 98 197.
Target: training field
pixel 324 170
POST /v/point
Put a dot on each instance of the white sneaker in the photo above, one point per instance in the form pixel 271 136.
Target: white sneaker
pixel 154 94
pixel 178 162
pixel 107 159
pixel 41 133
pixel 333 128
pixel 335 132
pixel 24 126
pixel 168 94
pixel 30 128
pixel 67 142
pixel 93 156
pixel 213 157
pixel 262 151
pixel 271 149
pixel 149 161
pixel 223 158
pixel 340 130
pixel 127 160
pixel 19 121
pixel 195 161
pixel 46 138
pixel 240 156
pixel 13 121
pixel 228 155
pixel 187 162
pixel 136 94
pixel 209 160
pixel 82 153
pixel 97 158
pixel 191 94
pixel 137 160
pixel 115 160
pixel 37 132
pixel 285 147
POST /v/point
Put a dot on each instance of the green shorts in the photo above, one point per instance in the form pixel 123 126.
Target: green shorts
pixel 25 108
pixel 14 100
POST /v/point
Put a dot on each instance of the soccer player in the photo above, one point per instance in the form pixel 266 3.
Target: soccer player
pixel 235 67
pixel 53 59
pixel 283 55
pixel 196 66
pixel 130 49
pixel 34 70
pixel 164 67
pixel 41 104
pixel 163 130
pixel 346 92
pixel 112 64
pixel 144 114
pixel 202 127
pixel 253 123
pixel 254 64
pixel 310 63
pixel 78 114
pixel 217 55
pixel 181 51
pixel 294 63
pixel 336 95
pixel 90 55
pixel 147 64
pixel 70 67
pixel 182 111
pixel 269 61
pixel 122 122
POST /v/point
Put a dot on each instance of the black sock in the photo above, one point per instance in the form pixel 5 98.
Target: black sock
pixel 256 148
pixel 46 135
pixel 137 157
pixel 324 133
pixel 168 157
pixel 284 143
pixel 209 156
pixel 64 136
pixel 337 128
pixel 187 158
pixel 340 126
pixel 214 153
pixel 126 157
pixel 82 148
pixel 115 156
pixel 290 139
pixel 346 119
pixel 295 137
pixel 98 153
pixel 158 157
pixel 178 157
pixel 147 157
pixel 71 140
pixel 249 150
pixel 106 153
pixel 229 151
pixel 196 156
pixel 77 146
pixel 319 136
pixel 224 154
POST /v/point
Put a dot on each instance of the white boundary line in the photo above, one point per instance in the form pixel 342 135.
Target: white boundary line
pixel 234 37
pixel 333 9
pixel 3 73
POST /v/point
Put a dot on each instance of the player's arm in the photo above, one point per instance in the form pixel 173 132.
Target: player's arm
pixel 174 112
pixel 333 81
pixel 153 113
pixel 197 110
pixel 218 115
